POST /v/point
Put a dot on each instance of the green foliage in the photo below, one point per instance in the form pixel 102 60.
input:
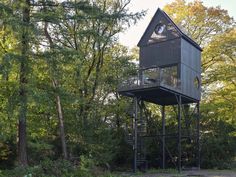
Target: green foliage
pixel 59 168
pixel 86 166
pixel 200 22
pixel 218 141
pixel 46 168
pixel 84 49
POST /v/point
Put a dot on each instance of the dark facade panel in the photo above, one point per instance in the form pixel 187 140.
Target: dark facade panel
pixel 160 54
pixel 189 86
pixel 190 69
pixel 190 56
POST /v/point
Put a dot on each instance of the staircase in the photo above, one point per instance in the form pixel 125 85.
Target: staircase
pixel 140 127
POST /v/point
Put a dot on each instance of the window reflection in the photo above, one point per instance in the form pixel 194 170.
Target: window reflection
pixel 155 76
pixel 162 32
pixel 169 76
pixel 150 75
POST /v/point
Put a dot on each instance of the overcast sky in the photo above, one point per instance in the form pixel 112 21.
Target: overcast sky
pixel 131 37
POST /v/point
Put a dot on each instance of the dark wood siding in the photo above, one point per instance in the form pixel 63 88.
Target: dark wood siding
pixel 190 69
pixel 160 54
pixel 187 82
pixel 190 56
pixel 177 51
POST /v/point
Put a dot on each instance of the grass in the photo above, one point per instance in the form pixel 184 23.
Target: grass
pixel 175 173
pixel 170 170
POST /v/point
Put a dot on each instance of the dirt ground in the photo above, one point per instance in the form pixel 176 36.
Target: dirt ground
pixel 195 173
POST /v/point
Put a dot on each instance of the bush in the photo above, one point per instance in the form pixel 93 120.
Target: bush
pixel 49 168
pixel 21 171
pixel 218 147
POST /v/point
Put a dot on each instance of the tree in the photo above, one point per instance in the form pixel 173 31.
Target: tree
pixel 198 21
pixel 14 18
pixel 23 79
pixel 80 42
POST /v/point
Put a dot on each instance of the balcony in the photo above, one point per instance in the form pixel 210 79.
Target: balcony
pixel 166 77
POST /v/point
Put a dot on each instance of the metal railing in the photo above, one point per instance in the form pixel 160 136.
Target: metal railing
pixel 149 77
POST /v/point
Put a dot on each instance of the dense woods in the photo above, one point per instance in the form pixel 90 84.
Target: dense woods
pixel 60 66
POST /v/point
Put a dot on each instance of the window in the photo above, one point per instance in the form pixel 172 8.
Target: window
pixel 163 31
pixel 159 33
pixel 159 29
pixel 196 83
pixel 150 75
pixel 169 75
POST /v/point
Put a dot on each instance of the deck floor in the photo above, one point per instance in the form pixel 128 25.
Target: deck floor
pixel 162 95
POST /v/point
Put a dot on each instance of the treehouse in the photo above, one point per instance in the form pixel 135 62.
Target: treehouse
pixel 169 74
pixel 169 64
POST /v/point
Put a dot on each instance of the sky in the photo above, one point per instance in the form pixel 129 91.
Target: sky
pixel 131 36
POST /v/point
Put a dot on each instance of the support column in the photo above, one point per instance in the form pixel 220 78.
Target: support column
pixel 135 133
pixel 163 137
pixel 198 136
pixel 179 133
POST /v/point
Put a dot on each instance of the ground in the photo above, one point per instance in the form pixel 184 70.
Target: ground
pixel 189 173
pixel 194 173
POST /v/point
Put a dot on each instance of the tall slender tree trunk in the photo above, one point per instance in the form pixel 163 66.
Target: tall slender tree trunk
pixel 22 144
pixel 61 120
pixel 58 99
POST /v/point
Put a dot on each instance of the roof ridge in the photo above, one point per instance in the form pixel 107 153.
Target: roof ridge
pixel 182 34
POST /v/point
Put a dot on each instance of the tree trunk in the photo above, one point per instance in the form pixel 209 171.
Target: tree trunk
pixel 61 120
pixel 58 99
pixel 22 144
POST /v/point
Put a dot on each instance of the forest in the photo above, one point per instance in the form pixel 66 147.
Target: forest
pixel 60 66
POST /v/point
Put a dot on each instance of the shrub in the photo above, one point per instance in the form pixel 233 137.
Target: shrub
pixel 49 168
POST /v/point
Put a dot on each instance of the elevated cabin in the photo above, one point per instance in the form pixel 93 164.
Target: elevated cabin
pixel 169 65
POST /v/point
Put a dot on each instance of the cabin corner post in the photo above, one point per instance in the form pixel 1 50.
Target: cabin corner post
pixel 135 134
pixel 198 136
pixel 179 132
pixel 163 136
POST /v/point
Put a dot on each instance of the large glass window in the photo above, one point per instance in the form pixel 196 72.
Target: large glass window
pixel 150 76
pixel 169 75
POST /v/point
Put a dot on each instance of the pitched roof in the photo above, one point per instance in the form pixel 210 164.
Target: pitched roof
pixel 151 27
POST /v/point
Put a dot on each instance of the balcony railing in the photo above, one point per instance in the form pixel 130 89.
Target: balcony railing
pixel 151 77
